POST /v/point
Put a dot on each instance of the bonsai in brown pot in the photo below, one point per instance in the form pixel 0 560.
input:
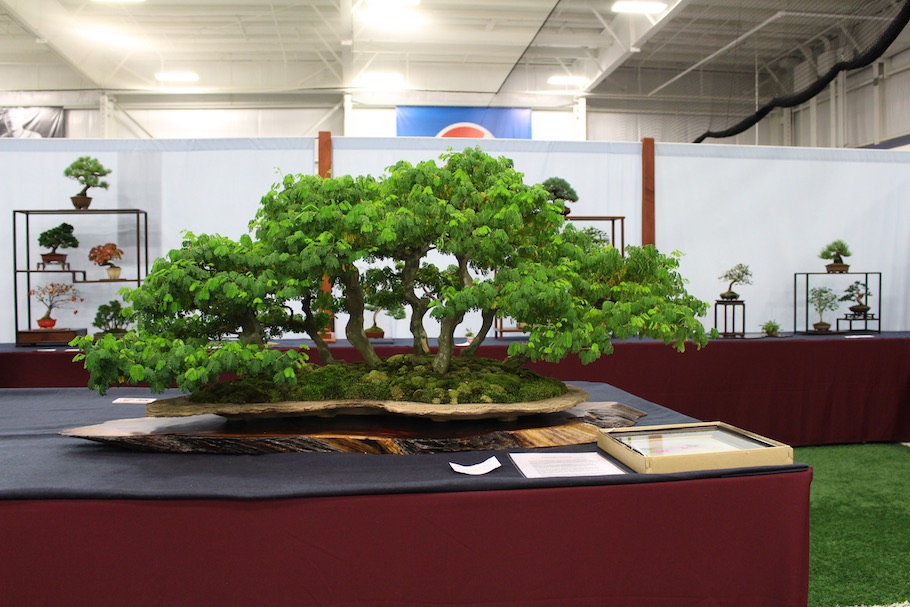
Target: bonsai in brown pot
pixel 836 251
pixel 740 274
pixel 860 293
pixel 822 299
pixel 88 172
pixel 60 237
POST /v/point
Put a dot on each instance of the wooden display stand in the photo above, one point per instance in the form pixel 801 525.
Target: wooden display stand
pixel 47 337
pixel 731 322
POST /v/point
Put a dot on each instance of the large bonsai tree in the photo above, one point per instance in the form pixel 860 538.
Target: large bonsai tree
pixel 463 235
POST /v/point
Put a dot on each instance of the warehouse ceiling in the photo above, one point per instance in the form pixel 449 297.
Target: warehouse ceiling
pixel 694 54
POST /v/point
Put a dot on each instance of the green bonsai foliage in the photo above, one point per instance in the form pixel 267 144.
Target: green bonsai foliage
pixel 112 317
pixel 835 251
pixel 559 189
pixel 823 299
pixel 740 274
pixel 771 329
pixel 506 249
pixel 857 292
pixel 60 237
pixel 88 172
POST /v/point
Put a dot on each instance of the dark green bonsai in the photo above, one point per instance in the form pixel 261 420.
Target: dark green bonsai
pixel 60 237
pixel 112 317
pixel 559 189
pixel 88 172
pixel 835 251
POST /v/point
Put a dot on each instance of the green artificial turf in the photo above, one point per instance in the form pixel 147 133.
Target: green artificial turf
pixel 860 524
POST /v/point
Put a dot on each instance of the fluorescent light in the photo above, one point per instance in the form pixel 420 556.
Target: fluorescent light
pixel 177 77
pixel 379 80
pixel 642 7
pixel 391 18
pixel 392 3
pixel 100 34
pixel 566 80
pixel 118 1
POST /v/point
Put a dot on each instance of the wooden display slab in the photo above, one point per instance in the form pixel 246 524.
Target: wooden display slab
pixel 392 434
pixel 47 337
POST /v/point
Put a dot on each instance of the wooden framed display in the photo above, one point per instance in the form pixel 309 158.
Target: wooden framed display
pixel 687 447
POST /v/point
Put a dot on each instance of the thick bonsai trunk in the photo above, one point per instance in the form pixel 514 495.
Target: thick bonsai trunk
pixel 251 331
pixel 446 349
pixel 315 333
pixel 355 306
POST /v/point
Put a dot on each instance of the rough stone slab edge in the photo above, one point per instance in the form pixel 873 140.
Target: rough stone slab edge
pixel 181 406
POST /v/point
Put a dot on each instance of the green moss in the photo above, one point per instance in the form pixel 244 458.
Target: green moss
pixel 401 377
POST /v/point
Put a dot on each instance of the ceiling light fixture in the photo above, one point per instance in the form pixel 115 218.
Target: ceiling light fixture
pixel 392 18
pixel 392 3
pixel 641 7
pixel 185 76
pixel 567 80
pixel 118 1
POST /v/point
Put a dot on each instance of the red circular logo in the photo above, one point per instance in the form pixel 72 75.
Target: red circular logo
pixel 465 129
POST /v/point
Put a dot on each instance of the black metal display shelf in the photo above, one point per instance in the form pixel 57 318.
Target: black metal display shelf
pixel 850 319
pixel 23 275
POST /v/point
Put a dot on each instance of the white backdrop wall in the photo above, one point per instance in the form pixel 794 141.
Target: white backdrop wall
pixel 771 208
pixel 774 209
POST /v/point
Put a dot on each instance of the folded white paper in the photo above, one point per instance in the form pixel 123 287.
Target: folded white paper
pixel 134 401
pixel 476 469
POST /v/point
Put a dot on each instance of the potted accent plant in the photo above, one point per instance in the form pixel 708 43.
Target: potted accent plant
pixel 110 319
pixel 771 329
pixel 60 237
pixel 739 274
pixel 858 292
pixel 54 296
pixel 836 251
pixel 88 172
pixel 822 299
pixel 560 189
pixel 103 255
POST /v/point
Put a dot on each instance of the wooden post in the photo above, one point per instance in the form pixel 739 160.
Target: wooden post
pixel 647 191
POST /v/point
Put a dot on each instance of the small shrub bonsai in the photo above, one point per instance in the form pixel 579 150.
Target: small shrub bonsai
pixel 836 251
pixel 111 318
pixel 822 299
pixel 858 292
pixel 88 172
pixel 560 189
pixel 739 274
pixel 104 254
pixel 771 329
pixel 61 237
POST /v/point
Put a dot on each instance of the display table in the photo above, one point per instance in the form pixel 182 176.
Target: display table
pixel 111 526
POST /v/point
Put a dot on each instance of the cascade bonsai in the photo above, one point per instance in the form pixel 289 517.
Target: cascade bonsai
pixel 739 274
pixel 211 306
pixel 822 299
pixel 836 251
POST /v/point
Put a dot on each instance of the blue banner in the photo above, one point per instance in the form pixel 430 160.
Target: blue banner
pixel 473 122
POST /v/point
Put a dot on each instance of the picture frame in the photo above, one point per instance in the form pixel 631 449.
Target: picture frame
pixel 688 447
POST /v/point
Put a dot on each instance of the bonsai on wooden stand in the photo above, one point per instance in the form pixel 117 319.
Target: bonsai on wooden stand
pixel 836 251
pixel 104 255
pixel 60 237
pixel 822 299
pixel 858 292
pixel 739 274
pixel 55 296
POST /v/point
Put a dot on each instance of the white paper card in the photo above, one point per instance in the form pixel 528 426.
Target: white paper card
pixel 477 469
pixel 555 465
pixel 134 401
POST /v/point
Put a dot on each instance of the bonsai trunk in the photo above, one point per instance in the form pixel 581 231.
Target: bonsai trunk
pixel 251 330
pixel 354 329
pixel 313 330
pixel 419 306
pixel 47 314
pixel 83 192
pixel 443 357
pixel 488 317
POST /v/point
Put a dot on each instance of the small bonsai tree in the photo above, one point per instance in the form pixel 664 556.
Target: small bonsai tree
pixel 88 172
pixel 104 254
pixel 835 251
pixel 60 237
pixel 739 274
pixel 56 295
pixel 111 317
pixel 857 292
pixel 771 329
pixel 560 189
pixel 822 299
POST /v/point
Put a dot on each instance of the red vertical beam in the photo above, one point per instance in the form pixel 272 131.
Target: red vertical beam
pixel 324 154
pixel 647 191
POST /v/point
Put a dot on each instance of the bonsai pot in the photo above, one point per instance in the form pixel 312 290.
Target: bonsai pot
pixel 822 327
pixel 729 296
pixel 113 272
pixel 81 202
pixel 47 323
pixel 859 309
pixel 49 258
pixel 837 268
pixel 375 333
